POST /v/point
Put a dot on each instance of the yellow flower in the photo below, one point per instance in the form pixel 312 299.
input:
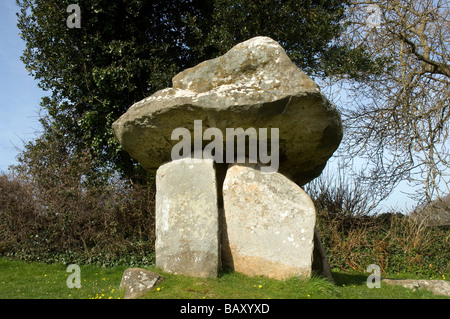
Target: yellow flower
pixel 308 296
pixel 260 286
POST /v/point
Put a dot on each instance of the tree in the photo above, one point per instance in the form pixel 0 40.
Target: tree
pixel 399 119
pixel 125 50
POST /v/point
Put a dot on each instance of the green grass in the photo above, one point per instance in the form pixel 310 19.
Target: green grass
pixel 19 279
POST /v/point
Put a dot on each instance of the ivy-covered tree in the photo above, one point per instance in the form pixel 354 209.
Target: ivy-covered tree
pixel 124 50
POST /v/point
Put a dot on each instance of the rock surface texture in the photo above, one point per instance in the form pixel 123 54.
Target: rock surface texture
pixel 268 224
pixel 187 218
pixel 255 84
pixel 137 281
pixel 437 287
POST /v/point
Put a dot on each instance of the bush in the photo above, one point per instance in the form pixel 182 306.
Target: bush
pixel 355 235
pixel 54 207
pixel 105 226
pixel 18 218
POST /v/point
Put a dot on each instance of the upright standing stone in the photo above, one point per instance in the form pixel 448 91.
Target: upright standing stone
pixel 320 263
pixel 187 218
pixel 268 224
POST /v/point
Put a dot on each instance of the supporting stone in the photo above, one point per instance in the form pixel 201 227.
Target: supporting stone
pixel 187 218
pixel 437 287
pixel 320 259
pixel 268 224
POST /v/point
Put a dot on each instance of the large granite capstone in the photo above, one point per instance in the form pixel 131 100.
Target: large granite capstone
pixel 254 85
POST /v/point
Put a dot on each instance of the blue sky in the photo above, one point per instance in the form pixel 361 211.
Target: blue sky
pixel 20 97
pixel 19 93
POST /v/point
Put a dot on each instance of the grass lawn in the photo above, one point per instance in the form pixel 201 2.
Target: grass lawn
pixel 20 279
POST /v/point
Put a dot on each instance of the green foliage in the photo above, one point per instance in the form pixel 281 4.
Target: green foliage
pixel 127 49
pixel 53 213
pixel 355 236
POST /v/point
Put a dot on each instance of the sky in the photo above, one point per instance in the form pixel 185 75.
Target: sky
pixel 19 94
pixel 20 97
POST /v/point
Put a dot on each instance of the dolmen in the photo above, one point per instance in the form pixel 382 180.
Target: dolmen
pixel 231 144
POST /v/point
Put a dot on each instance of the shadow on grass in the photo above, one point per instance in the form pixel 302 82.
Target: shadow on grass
pixel 225 271
pixel 349 278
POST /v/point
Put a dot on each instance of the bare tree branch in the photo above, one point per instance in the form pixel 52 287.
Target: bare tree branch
pixel 400 121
